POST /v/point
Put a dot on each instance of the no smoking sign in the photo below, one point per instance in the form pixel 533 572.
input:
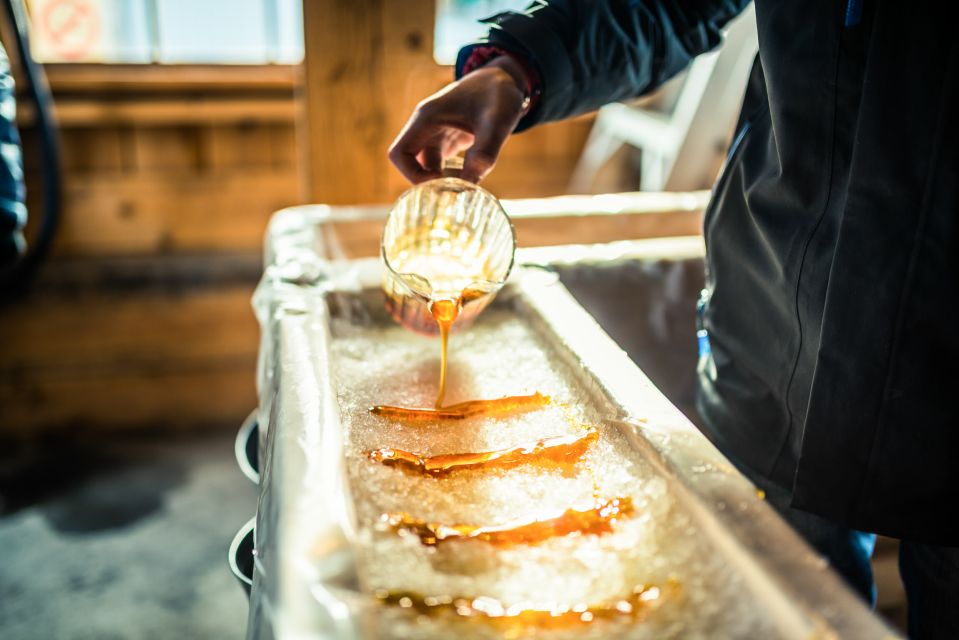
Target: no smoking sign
pixel 66 30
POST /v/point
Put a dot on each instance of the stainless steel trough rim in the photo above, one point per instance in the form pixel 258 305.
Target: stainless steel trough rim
pixel 297 234
pixel 782 557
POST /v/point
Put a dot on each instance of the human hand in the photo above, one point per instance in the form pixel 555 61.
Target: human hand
pixel 476 113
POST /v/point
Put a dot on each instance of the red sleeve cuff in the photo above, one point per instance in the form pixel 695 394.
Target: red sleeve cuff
pixel 483 55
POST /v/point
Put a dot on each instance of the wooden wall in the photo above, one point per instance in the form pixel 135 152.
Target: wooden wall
pixel 142 317
pixel 167 161
pixel 368 62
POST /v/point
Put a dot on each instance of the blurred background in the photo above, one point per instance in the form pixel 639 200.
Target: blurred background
pixel 183 126
pixel 128 345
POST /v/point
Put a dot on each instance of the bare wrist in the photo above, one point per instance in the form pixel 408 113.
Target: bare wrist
pixel 520 71
pixel 514 69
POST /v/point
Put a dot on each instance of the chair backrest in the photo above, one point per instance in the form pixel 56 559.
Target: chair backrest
pixel 690 98
pixel 705 112
pixel 683 145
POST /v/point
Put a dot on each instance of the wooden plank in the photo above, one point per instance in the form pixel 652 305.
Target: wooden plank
pixel 108 360
pixel 249 146
pixel 539 232
pixel 138 78
pixel 166 400
pixel 167 149
pixel 154 213
pixel 89 150
pixel 346 109
pixel 284 152
pixel 121 276
pixel 544 176
pixel 151 110
pixel 410 73
pixel 367 65
pixel 144 330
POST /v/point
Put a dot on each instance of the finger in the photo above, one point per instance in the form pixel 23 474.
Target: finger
pixel 489 140
pixel 431 159
pixel 456 141
pixel 413 139
pixel 405 160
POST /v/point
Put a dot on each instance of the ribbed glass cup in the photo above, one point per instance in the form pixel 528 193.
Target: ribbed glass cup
pixel 445 239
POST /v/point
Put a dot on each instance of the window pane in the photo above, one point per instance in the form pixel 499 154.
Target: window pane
pixel 212 31
pixel 457 23
pixel 289 27
pixel 89 31
pixel 173 31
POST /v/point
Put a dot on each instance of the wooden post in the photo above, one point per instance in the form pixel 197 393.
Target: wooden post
pixel 358 53
pixel 367 64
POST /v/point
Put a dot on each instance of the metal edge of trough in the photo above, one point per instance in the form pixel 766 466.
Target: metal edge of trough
pixel 779 556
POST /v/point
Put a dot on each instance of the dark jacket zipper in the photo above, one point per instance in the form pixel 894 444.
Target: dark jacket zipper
pixel 730 158
pixel 702 336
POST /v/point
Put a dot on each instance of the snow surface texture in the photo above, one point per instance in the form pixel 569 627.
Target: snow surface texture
pixel 376 362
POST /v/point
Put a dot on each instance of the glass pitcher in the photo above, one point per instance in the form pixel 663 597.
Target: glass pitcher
pixel 446 240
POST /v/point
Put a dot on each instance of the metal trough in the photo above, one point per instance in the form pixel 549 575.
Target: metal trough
pixel 717 560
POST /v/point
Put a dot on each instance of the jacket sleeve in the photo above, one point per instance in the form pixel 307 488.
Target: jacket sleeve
pixel 592 52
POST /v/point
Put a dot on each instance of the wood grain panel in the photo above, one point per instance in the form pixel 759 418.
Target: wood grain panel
pixel 101 360
pixel 92 150
pixel 344 69
pixel 151 330
pixel 97 79
pixel 161 213
pixel 284 152
pixel 112 400
pixel 540 232
pixel 165 149
pixel 367 65
pixel 250 146
pixel 86 112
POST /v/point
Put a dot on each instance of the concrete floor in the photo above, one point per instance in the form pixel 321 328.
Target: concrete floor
pixel 125 538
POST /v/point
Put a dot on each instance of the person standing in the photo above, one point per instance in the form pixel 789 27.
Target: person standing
pixel 832 236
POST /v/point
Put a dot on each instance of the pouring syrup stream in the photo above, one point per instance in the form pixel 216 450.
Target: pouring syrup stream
pixel 445 313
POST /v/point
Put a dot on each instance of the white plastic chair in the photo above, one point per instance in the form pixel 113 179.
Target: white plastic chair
pixel 679 148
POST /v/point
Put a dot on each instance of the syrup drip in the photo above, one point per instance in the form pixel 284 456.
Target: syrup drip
pixel 557 452
pixel 633 608
pixel 596 520
pixel 445 313
pixel 496 407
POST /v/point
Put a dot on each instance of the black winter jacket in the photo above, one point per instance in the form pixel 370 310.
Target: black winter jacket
pixel 831 237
